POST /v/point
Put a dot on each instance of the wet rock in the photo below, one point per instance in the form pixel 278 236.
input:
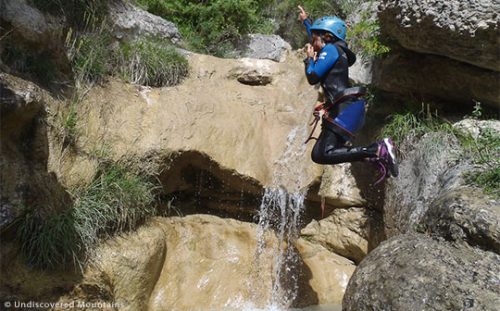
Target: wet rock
pixel 351 232
pixel 260 46
pixel 203 263
pixel 466 31
pixel 207 142
pixel 131 22
pixel 413 271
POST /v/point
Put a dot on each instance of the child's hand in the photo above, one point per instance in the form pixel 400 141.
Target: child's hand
pixel 302 14
pixel 310 51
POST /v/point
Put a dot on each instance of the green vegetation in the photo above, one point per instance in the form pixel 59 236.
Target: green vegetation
pixel 483 150
pixel 151 61
pixel 212 27
pixel 117 200
pixel 364 37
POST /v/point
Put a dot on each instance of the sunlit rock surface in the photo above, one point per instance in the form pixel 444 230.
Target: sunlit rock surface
pixel 416 272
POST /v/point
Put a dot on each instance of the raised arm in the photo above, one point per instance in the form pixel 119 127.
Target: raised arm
pixel 305 20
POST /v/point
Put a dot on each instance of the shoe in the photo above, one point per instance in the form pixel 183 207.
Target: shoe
pixel 387 157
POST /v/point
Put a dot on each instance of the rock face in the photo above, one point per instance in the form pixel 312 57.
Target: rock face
pixel 431 194
pixel 27 30
pixel 415 272
pixel 351 232
pixel 329 272
pixel 25 177
pixel 131 22
pixel 195 262
pixel 455 265
pixel 430 76
pixel 466 31
pixel 439 50
pixel 260 46
pixel 199 135
pixel 31 25
pixel 339 187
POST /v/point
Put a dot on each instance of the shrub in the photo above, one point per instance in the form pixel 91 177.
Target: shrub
pixel 364 37
pixel 212 27
pixel 117 200
pixel 152 62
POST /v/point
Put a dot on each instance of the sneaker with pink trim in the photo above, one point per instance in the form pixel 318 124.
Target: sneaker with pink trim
pixel 387 157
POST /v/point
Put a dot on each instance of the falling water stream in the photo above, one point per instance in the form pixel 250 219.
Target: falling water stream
pixel 280 210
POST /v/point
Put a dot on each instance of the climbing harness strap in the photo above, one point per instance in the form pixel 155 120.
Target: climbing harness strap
pixel 353 92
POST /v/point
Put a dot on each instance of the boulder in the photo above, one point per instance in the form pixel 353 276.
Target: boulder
pixel 413 271
pixel 431 194
pixel 329 273
pixel 261 46
pixel 28 24
pixel 466 31
pixel 351 233
pixel 28 33
pixel 254 72
pixel 131 22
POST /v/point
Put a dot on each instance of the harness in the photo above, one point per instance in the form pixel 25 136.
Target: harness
pixel 326 107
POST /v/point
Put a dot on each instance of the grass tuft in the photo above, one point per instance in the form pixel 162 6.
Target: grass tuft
pixel 483 150
pixel 116 201
pixel 151 62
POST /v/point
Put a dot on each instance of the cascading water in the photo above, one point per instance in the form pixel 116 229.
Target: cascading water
pixel 280 210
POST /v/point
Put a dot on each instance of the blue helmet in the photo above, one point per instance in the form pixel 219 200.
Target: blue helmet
pixel 332 24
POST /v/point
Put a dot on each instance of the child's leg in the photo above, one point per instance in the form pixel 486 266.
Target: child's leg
pixel 330 149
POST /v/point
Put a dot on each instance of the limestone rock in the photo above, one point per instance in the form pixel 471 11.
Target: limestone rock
pixel 351 232
pixel 261 46
pixel 132 265
pixel 431 194
pixel 205 263
pixel 412 271
pixel 436 77
pixel 31 25
pixel 208 142
pixel 36 33
pixel 329 273
pixel 26 181
pixel 254 72
pixel 465 215
pixel 131 22
pixel 466 31
pixel 474 127
pixel 339 188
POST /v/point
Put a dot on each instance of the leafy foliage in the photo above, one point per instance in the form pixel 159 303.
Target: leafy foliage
pixel 213 26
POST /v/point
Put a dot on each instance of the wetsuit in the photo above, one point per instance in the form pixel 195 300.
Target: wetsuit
pixel 346 117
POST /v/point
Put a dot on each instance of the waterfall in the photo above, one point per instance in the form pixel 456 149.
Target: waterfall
pixel 280 210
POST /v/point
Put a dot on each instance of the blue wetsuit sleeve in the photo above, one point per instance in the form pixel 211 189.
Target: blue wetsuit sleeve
pixel 307 23
pixel 316 70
